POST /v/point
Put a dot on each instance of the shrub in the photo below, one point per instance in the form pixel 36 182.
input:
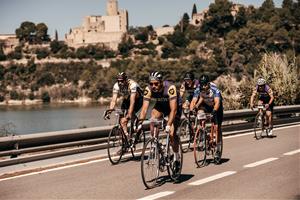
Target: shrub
pixel 46 97
pixel 282 77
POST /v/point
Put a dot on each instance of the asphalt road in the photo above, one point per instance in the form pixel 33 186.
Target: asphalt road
pixel 265 169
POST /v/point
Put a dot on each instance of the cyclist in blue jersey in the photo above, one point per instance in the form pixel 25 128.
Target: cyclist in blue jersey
pixel 167 103
pixel 209 98
pixel 266 97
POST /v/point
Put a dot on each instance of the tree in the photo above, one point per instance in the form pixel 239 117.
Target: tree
pixel 241 18
pixel 219 19
pixel 194 11
pixel 185 21
pixel 26 31
pixel 2 55
pixel 56 35
pixel 41 32
pixel 267 10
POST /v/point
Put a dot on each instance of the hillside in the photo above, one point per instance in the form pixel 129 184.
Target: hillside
pixel 225 45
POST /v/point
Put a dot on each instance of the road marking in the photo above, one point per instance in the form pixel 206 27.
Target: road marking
pixel 158 195
pixel 212 178
pixel 292 152
pixel 261 162
pixel 54 169
pixel 251 132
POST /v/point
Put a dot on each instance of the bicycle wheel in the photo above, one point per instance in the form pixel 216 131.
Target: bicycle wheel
pixel 150 163
pixel 200 147
pixel 173 170
pixel 185 134
pixel 258 126
pixel 115 145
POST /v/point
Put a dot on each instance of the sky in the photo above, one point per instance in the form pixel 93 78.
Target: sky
pixel 61 15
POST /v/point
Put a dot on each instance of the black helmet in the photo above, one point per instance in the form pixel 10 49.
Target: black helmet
pixel 189 76
pixel 155 76
pixel 122 76
pixel 204 80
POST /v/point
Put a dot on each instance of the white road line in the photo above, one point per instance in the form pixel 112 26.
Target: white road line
pixel 251 132
pixel 212 178
pixel 54 169
pixel 292 152
pixel 261 162
pixel 157 195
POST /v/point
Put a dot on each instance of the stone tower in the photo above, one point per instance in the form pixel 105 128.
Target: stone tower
pixel 112 8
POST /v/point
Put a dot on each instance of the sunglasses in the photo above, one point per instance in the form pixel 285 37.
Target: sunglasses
pixel 154 84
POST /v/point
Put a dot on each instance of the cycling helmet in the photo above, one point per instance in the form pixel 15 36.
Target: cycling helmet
pixel 261 81
pixel 122 76
pixel 204 80
pixel 155 76
pixel 189 76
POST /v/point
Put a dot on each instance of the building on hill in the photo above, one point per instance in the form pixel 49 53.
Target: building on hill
pixel 107 30
pixel 198 18
pixel 9 41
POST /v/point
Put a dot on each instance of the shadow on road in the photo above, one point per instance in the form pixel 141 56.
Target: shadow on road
pixel 166 179
pixel 211 161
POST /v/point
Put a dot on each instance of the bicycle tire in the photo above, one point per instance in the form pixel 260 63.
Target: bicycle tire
pixel 171 167
pixel 258 126
pixel 200 148
pixel 115 145
pixel 150 162
pixel 185 132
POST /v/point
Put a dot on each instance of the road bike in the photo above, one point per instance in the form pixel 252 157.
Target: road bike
pixel 205 142
pixel 158 156
pixel 187 129
pixel 260 123
pixel 118 142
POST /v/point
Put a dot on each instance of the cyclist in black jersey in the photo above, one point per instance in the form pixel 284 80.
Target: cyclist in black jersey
pixel 167 103
pixel 266 97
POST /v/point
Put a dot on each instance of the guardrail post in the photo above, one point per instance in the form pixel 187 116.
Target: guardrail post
pixel 15 154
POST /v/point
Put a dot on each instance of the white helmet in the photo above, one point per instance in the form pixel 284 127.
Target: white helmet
pixel 261 81
pixel 155 76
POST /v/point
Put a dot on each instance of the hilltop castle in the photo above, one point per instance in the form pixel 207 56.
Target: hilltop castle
pixel 107 30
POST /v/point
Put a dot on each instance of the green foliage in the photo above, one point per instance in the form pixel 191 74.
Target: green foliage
pixel 46 97
pixel 14 95
pixel 46 79
pixel 26 30
pixel 29 32
pixel 42 53
pixel 2 55
pixel 219 20
pixel 194 11
pixel 281 75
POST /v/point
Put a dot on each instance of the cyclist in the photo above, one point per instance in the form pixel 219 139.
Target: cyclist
pixel 210 99
pixel 132 99
pixel 265 96
pixel 168 103
pixel 188 87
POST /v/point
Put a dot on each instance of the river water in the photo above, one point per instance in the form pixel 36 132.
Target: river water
pixel 52 117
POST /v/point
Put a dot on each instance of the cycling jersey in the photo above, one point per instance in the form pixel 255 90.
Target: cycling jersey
pixel 125 92
pixel 184 88
pixel 262 94
pixel 163 98
pixel 208 101
pixel 133 87
pixel 208 96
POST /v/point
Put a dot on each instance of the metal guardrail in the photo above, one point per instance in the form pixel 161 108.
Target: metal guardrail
pixel 20 144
